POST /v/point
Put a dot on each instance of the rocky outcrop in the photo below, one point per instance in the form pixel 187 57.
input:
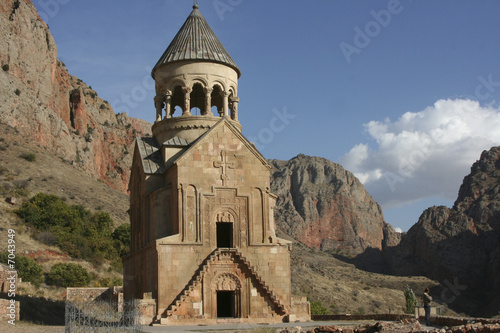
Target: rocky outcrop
pixel 325 206
pixel 41 100
pixel 460 246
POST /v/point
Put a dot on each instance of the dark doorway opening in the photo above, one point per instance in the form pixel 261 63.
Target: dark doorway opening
pixel 224 234
pixel 225 304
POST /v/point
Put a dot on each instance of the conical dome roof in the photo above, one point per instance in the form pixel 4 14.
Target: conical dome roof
pixel 196 41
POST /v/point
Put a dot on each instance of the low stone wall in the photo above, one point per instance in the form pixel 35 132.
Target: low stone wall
pixel 113 294
pixel 8 310
pixel 377 317
pixel 301 310
pixel 457 321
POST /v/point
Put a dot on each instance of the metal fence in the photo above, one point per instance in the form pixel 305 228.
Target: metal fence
pixel 102 316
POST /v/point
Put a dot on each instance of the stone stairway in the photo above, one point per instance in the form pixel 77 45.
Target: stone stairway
pixel 203 269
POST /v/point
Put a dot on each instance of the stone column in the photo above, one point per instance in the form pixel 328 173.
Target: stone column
pixel 208 102
pixel 168 104
pixel 158 106
pixel 186 111
pixel 234 103
pixel 225 102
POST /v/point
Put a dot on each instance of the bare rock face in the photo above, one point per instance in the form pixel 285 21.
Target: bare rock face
pixel 41 100
pixel 326 207
pixel 461 246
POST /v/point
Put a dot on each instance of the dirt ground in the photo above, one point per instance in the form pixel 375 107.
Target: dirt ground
pixel 23 327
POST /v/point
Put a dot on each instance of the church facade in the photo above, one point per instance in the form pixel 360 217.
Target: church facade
pixel 203 245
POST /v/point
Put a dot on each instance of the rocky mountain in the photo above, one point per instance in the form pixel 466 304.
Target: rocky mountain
pixel 326 207
pixel 41 100
pixel 461 246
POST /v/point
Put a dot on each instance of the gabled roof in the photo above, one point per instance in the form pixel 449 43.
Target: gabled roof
pixel 224 121
pixel 150 155
pixel 196 41
pixel 176 142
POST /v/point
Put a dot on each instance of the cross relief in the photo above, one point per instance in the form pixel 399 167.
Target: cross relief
pixel 223 164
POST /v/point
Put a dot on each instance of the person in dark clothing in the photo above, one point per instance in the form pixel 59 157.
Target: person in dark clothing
pixel 427 299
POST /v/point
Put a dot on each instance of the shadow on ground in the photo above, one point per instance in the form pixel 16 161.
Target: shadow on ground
pixel 40 311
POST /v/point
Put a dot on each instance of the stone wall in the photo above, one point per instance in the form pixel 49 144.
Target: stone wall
pixel 9 310
pixel 457 321
pixel 8 277
pixel 301 310
pixel 113 294
pixel 348 317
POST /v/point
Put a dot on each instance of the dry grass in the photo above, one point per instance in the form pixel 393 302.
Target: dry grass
pixel 343 288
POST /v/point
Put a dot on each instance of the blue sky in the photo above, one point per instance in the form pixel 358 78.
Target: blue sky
pixel 402 93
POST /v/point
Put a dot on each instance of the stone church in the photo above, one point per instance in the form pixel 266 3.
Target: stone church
pixel 203 244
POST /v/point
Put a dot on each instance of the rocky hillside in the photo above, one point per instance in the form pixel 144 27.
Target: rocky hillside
pixel 326 207
pixel 461 246
pixel 41 100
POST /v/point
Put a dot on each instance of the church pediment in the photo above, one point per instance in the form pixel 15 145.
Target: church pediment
pixel 224 125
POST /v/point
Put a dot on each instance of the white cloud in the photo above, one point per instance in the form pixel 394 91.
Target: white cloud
pixel 423 154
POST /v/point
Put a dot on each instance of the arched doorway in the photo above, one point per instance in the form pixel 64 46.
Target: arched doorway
pixel 227 288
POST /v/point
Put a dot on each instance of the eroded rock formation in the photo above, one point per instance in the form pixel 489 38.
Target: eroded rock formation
pixel 43 101
pixel 325 206
pixel 461 246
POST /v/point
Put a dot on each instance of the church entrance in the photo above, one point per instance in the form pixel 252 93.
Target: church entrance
pixel 225 234
pixel 226 304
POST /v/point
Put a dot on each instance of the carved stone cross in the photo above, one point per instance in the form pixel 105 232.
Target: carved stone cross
pixel 223 164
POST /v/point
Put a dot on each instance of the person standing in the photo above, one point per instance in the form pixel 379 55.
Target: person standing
pixel 427 299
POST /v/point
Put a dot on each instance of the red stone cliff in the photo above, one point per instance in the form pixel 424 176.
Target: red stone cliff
pixel 43 101
pixel 325 206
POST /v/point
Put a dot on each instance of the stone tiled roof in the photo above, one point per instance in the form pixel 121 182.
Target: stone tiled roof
pixel 150 155
pixel 176 142
pixel 196 41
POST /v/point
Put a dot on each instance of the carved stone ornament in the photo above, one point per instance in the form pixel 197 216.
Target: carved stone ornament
pixel 227 282
pixel 225 217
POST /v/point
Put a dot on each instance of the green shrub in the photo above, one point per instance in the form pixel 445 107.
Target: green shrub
pixel 30 157
pixel 27 268
pixel 110 282
pixel 121 237
pixel 411 300
pixel 17 92
pixel 317 308
pixel 5 67
pixel 68 275
pixel 79 232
